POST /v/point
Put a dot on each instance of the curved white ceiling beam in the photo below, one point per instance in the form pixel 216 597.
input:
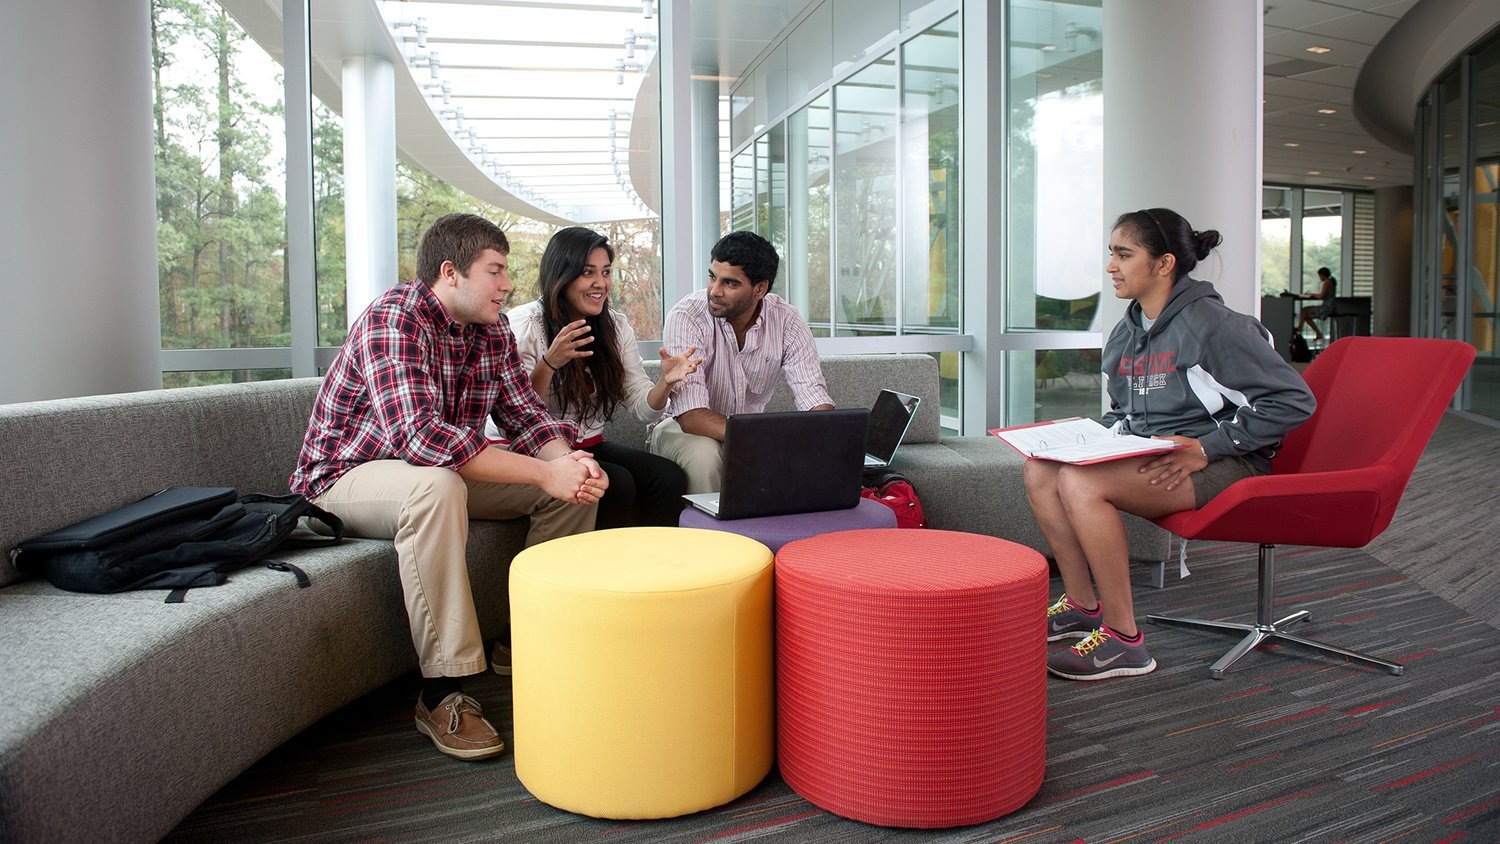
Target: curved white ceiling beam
pixel 357 27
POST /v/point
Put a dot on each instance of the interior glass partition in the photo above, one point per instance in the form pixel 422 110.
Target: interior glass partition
pixel 1449 148
pixel 1484 315
pixel 1456 225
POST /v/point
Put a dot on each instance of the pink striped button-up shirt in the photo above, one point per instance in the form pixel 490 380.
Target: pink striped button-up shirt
pixel 734 380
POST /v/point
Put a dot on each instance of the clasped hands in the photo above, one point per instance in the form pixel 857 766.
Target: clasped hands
pixel 1173 467
pixel 576 478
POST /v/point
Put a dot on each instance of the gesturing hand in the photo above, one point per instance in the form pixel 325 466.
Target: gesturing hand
pixel 567 345
pixel 676 368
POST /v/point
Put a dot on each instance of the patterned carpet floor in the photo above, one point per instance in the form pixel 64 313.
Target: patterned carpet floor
pixel 1292 747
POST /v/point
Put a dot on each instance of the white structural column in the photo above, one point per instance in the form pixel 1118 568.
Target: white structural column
pixel 1182 129
pixel 81 311
pixel 678 154
pixel 369 180
pixel 985 40
pixel 705 115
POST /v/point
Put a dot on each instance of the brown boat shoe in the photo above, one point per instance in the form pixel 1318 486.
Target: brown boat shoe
pixel 459 729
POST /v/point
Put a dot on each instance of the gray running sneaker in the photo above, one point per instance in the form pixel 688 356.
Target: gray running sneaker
pixel 1066 621
pixel 1101 655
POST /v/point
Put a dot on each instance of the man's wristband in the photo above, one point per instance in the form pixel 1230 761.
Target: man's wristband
pixel 1203 451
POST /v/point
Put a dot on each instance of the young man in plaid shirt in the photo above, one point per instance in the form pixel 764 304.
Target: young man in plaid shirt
pixel 396 449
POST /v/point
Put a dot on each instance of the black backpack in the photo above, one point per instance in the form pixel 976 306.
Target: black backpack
pixel 179 538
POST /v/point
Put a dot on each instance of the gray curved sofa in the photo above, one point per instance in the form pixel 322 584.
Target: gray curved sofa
pixel 123 713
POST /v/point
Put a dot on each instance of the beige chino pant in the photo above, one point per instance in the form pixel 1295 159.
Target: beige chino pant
pixel 701 458
pixel 426 510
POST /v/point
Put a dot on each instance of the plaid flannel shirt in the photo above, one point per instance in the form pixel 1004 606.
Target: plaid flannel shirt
pixel 412 384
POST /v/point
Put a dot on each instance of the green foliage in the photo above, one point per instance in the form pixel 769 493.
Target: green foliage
pixel 220 221
pixel 1276 262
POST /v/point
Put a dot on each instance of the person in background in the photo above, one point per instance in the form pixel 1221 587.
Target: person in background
pixel 585 364
pixel 1327 289
pixel 1180 366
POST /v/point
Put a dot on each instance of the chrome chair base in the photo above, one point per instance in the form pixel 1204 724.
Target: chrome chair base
pixel 1265 631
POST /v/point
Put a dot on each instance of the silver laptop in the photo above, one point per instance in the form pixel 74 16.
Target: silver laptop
pixel 777 464
pixel 889 419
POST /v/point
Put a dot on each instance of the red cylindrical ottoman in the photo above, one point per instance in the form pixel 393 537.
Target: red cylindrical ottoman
pixel 911 674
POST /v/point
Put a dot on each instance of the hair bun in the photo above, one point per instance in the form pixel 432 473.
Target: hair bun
pixel 1206 241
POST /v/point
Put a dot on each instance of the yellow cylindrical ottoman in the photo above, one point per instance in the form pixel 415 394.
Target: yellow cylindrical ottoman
pixel 642 670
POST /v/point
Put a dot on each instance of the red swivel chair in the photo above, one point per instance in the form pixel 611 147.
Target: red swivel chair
pixel 1339 476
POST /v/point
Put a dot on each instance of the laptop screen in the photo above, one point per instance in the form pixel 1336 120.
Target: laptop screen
pixel 889 419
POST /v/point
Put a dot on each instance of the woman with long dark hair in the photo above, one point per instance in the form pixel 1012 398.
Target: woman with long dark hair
pixel 584 363
pixel 1180 366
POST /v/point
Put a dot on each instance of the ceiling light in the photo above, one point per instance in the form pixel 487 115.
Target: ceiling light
pixel 1486 123
pixel 1315 172
pixel 1320 50
pixel 1047 48
pixel 1370 178
pixel 1360 151
pixel 1328 111
pixel 1289 144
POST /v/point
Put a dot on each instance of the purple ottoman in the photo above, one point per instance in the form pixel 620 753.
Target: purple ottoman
pixel 776 531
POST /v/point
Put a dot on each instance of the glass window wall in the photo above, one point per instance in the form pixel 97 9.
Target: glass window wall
pixel 864 132
pixel 1275 241
pixel 1049 384
pixel 220 180
pixel 930 114
pixel 1056 244
pixel 1322 237
pixel 809 241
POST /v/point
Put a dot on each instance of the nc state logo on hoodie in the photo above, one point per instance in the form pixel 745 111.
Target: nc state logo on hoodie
pixel 1148 372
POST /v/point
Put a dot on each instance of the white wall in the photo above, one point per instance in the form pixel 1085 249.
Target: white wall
pixel 79 313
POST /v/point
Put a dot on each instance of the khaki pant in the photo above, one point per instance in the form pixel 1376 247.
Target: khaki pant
pixel 701 458
pixel 426 510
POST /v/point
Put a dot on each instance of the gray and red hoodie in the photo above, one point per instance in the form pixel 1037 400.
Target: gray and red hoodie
pixel 1203 371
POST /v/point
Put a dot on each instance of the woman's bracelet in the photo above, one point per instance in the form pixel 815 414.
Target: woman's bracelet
pixel 549 364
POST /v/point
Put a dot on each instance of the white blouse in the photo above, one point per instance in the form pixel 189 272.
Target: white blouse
pixel 531 342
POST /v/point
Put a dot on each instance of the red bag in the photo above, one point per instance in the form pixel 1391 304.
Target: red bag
pixel 894 491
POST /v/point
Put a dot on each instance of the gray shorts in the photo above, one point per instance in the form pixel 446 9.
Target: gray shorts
pixel 1217 476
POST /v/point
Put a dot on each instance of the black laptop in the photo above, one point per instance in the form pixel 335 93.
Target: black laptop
pixel 776 464
pixel 889 419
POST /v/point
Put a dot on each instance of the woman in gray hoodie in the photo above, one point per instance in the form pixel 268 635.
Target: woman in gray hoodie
pixel 1181 366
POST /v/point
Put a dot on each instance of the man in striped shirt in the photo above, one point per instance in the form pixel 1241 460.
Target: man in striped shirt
pixel 746 335
pixel 396 449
